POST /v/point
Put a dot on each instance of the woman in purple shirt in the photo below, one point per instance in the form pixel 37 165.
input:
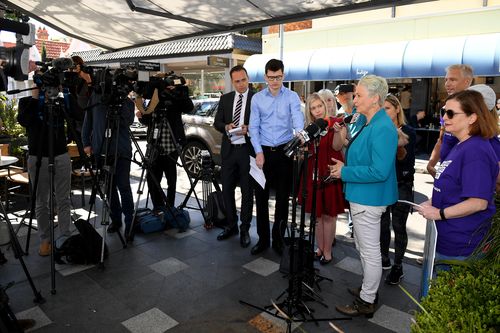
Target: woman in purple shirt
pixel 462 200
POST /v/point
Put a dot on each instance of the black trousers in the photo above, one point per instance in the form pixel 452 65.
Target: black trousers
pixel 399 213
pixel 236 169
pixel 278 172
pixel 163 164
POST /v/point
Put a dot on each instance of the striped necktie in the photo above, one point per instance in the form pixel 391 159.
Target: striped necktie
pixel 237 111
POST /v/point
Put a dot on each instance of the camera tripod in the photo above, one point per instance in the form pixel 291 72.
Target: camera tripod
pixel 301 271
pixel 159 123
pixel 106 160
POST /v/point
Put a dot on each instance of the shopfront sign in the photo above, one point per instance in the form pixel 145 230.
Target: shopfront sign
pixel 217 61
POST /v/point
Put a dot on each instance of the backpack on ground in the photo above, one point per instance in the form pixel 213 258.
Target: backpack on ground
pixel 177 218
pixel 215 212
pixel 147 221
pixel 83 248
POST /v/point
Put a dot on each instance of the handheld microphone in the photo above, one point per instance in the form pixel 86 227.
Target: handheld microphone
pixel 348 119
pixel 312 131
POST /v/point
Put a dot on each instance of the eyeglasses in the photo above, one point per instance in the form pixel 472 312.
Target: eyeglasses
pixel 450 113
pixel 275 78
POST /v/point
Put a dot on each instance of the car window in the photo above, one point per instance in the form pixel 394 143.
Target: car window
pixel 203 109
pixel 213 109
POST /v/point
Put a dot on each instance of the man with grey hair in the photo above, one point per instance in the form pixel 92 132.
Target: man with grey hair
pixel 458 78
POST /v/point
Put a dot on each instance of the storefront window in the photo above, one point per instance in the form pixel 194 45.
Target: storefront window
pixel 205 83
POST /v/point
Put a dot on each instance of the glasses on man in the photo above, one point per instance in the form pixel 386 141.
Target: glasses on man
pixel 275 78
pixel 449 113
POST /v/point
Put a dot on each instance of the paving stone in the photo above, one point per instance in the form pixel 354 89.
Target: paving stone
pixel 393 319
pixel 262 266
pixel 351 265
pixel 168 266
pixel 151 321
pixel 37 315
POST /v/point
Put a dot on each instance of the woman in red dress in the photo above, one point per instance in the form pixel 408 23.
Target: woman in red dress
pixel 329 196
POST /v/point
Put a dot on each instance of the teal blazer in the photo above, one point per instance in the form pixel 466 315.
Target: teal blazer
pixel 370 170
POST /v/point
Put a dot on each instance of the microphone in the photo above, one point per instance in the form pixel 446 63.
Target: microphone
pixel 348 119
pixel 312 131
pixel 62 64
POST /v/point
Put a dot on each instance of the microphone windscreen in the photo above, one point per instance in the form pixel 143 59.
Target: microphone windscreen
pixel 322 123
pixel 347 120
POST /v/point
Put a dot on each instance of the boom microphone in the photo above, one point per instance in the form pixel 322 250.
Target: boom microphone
pixel 62 64
pixel 312 131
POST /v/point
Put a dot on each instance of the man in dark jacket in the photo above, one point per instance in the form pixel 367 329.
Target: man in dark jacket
pixel 97 119
pixel 173 101
pixel 234 114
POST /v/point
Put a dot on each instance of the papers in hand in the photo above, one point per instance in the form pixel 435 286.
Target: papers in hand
pixel 410 203
pixel 235 133
pixel 257 173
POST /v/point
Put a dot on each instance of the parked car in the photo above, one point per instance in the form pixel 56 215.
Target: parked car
pixel 138 130
pixel 201 135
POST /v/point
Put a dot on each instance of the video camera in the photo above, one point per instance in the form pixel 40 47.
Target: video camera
pixel 169 86
pixel 114 84
pixel 14 61
pixel 55 73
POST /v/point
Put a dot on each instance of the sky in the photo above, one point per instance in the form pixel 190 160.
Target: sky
pixel 6 36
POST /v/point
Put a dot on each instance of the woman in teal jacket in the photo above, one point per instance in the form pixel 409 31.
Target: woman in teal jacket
pixel 369 175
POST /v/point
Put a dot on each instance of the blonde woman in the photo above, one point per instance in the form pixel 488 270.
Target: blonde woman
pixel 329 196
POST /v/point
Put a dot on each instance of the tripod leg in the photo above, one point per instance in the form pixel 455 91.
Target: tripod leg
pixel 18 254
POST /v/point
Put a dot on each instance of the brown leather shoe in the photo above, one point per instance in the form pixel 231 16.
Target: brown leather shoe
pixel 45 249
pixel 357 308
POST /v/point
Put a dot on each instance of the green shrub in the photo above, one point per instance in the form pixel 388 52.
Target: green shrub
pixel 462 300
pixel 8 114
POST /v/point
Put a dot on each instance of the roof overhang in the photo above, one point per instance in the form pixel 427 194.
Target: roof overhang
pixel 404 59
pixel 120 24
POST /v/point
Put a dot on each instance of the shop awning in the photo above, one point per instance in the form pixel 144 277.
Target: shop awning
pixel 405 59
pixel 119 24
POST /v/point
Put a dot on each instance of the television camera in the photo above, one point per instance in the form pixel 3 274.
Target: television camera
pixel 14 61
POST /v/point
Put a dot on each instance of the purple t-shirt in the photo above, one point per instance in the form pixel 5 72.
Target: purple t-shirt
pixel 469 171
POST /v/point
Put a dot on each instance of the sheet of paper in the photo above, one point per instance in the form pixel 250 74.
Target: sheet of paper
pixel 257 173
pixel 410 203
pixel 235 131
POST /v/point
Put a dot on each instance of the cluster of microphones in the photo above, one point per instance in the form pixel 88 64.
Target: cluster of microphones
pixel 311 132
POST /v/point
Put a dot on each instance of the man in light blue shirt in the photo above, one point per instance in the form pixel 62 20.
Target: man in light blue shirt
pixel 275 118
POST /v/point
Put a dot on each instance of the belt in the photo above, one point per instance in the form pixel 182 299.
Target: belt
pixel 277 148
pixel 238 145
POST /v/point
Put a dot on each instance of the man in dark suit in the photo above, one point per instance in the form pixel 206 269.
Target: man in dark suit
pixel 234 113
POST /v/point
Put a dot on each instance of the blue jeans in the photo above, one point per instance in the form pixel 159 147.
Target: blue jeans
pixel 121 183
pixel 444 267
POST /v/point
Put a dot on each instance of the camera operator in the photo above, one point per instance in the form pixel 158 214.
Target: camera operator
pixel 173 101
pixel 32 116
pixel 80 92
pixel 94 140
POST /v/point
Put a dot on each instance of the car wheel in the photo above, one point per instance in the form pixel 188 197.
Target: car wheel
pixel 191 156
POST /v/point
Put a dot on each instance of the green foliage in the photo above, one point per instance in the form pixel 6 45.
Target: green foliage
pixel 462 300
pixel 8 115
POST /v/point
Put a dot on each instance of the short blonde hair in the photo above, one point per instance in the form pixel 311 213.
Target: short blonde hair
pixel 376 86
pixel 311 98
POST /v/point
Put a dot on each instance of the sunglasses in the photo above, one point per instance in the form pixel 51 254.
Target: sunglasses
pixel 450 113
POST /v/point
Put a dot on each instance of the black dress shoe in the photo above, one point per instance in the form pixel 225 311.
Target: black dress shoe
pixel 244 239
pixel 278 247
pixel 114 227
pixel 259 248
pixel 226 233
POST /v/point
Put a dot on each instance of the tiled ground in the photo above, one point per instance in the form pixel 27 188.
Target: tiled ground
pixel 170 282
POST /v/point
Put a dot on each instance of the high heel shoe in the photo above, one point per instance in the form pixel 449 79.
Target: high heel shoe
pixel 318 255
pixel 324 261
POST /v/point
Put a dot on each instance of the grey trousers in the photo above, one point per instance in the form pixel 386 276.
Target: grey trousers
pixel 62 187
